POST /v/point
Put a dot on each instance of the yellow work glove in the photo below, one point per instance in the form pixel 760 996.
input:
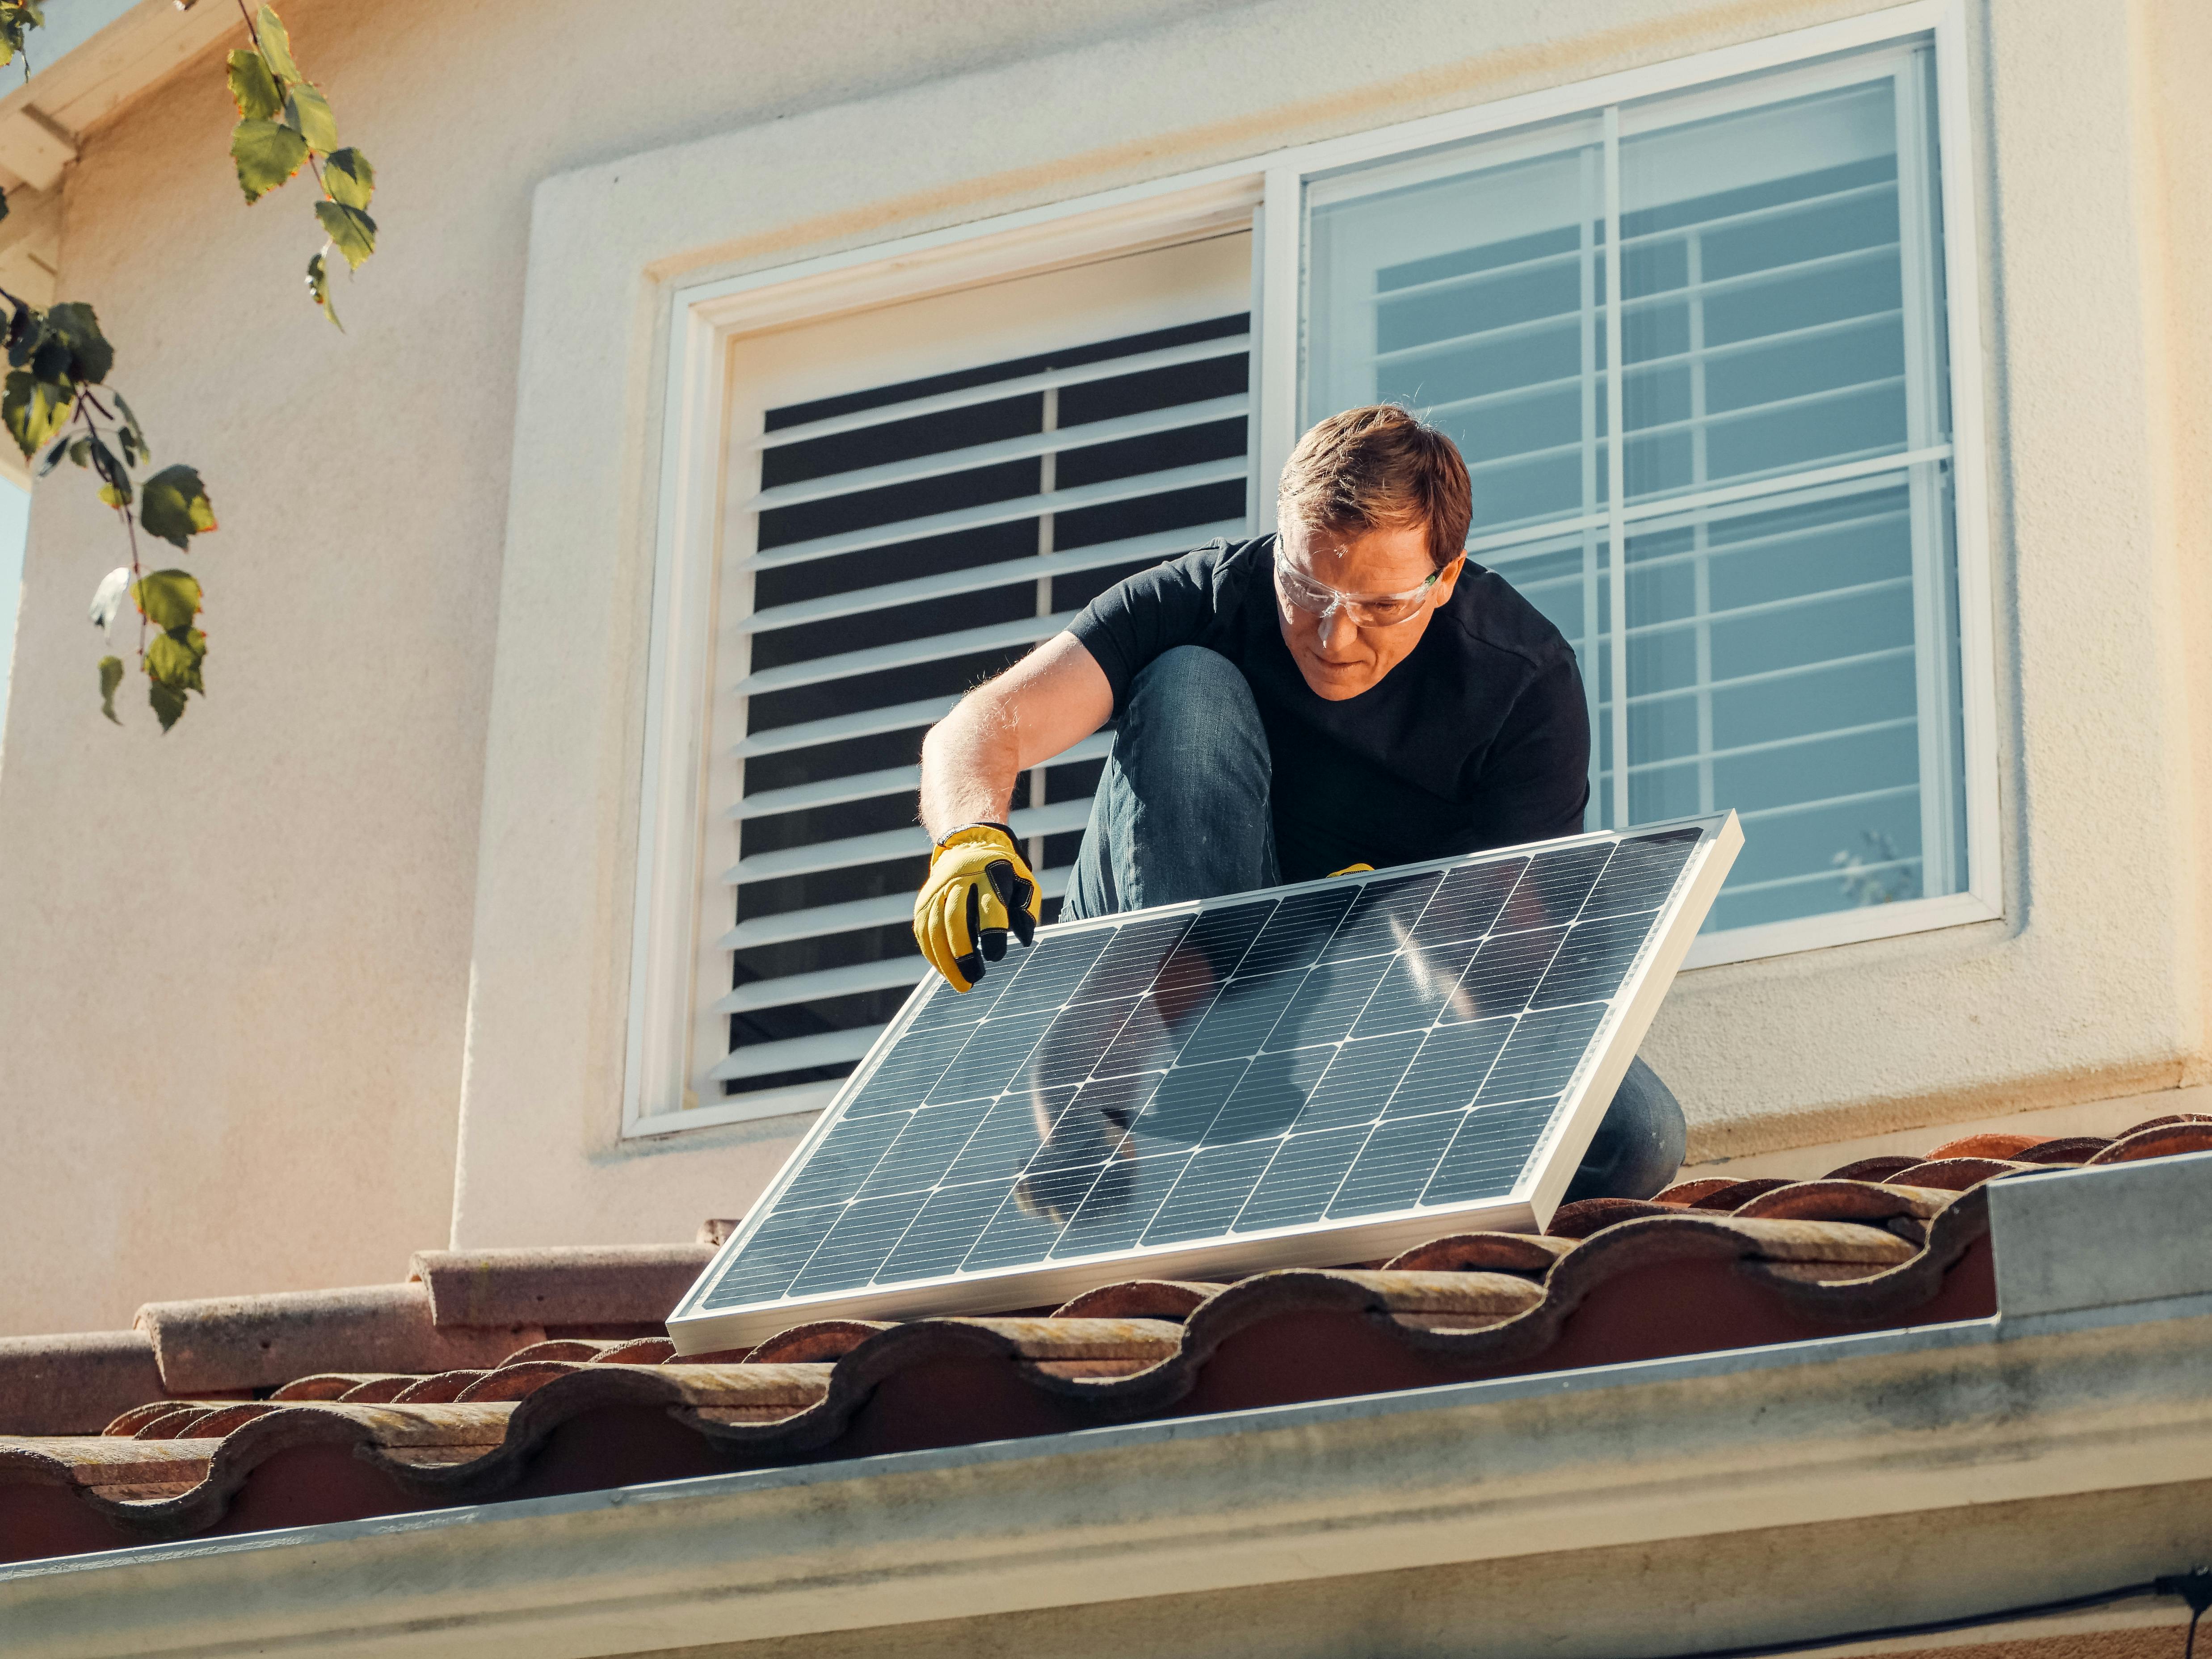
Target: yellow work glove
pixel 979 889
pixel 1352 870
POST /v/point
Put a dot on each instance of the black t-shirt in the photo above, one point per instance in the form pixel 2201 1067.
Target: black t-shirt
pixel 1479 738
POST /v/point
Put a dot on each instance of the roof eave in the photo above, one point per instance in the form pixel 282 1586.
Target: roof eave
pixel 2009 1410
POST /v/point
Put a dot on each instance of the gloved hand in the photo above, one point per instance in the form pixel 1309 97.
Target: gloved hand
pixel 979 888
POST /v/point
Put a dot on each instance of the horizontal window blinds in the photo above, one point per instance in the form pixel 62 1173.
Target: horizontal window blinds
pixel 1758 577
pixel 909 541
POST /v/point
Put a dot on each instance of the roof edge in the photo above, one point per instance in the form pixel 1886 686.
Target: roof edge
pixel 1889 1423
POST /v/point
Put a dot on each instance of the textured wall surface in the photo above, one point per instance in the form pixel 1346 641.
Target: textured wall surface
pixel 237 964
pixel 234 961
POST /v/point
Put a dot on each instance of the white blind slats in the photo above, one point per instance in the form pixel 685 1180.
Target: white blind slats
pixel 758 1060
pixel 903 654
pixel 850 917
pixel 1773 276
pixel 981 517
pixel 1106 368
pixel 1694 361
pixel 836 728
pixel 1041 567
pixel 798 1009
pixel 1028 446
pixel 890 780
pixel 823 982
pixel 889 844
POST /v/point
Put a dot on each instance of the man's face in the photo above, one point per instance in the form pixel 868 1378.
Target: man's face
pixel 1339 658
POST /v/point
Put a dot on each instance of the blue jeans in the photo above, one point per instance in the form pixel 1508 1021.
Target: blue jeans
pixel 1182 812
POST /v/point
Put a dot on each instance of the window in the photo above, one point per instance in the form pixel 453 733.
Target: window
pixel 1774 528
pixel 898 540
pixel 925 457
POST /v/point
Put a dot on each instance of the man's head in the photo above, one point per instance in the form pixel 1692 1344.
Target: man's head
pixel 1373 510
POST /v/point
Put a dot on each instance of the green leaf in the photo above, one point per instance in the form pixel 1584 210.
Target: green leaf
pixel 53 456
pixel 168 703
pixel 131 425
pixel 253 87
pixel 308 113
pixel 349 178
pixel 117 494
pixel 105 463
pixel 173 657
pixel 267 155
pixel 26 329
pixel 318 285
pixel 276 46
pixel 352 231
pixel 167 599
pixel 90 356
pixel 17 19
pixel 111 680
pixel 34 410
pixel 80 452
pixel 175 507
pixel 3 207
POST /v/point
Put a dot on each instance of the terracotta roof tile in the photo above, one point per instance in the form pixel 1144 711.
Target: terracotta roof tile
pixel 2159 1138
pixel 68 1384
pixel 385 1400
pixel 1953 1175
pixel 556 1287
pixel 1874 1168
pixel 257 1341
pixel 1735 1193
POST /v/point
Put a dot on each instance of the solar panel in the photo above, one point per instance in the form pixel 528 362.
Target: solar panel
pixel 1314 1074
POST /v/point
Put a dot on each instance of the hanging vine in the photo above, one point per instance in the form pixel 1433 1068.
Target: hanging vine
pixel 56 399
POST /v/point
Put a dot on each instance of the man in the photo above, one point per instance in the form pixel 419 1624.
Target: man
pixel 1349 692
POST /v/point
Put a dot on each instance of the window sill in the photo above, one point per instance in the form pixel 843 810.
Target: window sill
pixel 794 1100
pixel 1874 921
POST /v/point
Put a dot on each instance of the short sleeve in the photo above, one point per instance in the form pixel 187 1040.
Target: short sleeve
pixel 1142 618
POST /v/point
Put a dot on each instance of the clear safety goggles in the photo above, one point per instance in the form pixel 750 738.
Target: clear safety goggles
pixel 1366 610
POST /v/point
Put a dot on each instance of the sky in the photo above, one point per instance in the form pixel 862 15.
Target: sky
pixel 15 514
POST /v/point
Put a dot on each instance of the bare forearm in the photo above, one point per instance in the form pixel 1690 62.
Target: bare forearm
pixel 1055 697
pixel 969 761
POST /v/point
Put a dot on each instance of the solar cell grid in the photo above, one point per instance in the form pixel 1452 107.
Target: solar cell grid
pixel 1344 1050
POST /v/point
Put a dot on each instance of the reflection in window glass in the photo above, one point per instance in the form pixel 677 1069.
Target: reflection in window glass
pixel 1782 493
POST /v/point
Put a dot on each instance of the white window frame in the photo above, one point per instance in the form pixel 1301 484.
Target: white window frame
pixel 1266 192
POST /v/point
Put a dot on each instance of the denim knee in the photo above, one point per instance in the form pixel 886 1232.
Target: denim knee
pixel 1639 1144
pixel 1190 741
pixel 1190 699
pixel 1182 810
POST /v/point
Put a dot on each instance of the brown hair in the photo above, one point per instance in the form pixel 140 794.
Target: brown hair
pixel 1379 468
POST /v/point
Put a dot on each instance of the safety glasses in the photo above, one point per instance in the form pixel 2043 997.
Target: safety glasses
pixel 1366 610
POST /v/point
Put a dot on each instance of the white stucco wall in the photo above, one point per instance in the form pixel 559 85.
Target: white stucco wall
pixel 234 961
pixel 2091 986
pixel 252 1081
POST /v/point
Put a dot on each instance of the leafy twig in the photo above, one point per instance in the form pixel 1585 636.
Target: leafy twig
pixel 285 122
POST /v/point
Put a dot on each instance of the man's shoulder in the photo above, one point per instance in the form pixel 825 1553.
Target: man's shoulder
pixel 1227 558
pixel 1492 616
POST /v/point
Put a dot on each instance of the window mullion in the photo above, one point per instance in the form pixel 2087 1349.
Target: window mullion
pixel 1700 536
pixel 1592 637
pixel 1933 626
pixel 1616 466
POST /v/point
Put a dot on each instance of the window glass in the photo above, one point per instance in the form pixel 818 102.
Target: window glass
pixel 1783 491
